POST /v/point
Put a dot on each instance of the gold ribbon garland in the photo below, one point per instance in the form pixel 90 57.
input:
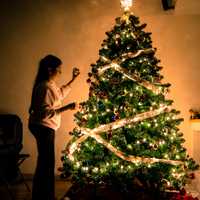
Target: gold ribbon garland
pixel 118 124
pixel 116 66
pixel 94 133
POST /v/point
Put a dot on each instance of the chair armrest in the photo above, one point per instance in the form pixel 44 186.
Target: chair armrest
pixel 22 157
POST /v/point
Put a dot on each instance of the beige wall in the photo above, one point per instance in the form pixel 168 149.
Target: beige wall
pixel 74 30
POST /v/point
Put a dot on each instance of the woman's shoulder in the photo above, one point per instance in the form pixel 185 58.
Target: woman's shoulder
pixel 44 85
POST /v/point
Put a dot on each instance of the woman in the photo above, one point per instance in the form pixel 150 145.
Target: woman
pixel 44 120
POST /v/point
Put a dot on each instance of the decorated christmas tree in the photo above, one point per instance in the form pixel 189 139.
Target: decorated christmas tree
pixel 127 131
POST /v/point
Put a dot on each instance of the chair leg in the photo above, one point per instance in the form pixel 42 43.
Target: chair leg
pixel 7 185
pixel 25 183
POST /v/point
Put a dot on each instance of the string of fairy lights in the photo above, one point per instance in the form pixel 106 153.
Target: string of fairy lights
pixel 156 88
pixel 95 133
pixel 112 126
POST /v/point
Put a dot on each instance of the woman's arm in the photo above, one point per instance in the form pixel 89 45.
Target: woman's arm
pixel 75 73
pixel 70 106
pixel 67 87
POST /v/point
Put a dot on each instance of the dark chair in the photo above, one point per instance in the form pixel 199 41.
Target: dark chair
pixel 11 144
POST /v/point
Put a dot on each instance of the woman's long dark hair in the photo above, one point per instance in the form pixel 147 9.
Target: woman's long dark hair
pixel 47 66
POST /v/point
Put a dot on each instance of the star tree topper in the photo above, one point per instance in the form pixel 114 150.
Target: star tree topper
pixel 126 4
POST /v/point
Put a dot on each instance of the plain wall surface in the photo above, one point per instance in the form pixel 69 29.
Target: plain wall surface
pixel 74 31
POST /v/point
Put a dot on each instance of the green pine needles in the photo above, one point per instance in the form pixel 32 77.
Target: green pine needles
pixel 123 90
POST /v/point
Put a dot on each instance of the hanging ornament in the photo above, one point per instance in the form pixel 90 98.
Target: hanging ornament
pixel 70 133
pixel 109 134
pixel 90 74
pixel 102 94
pixel 115 81
pixel 117 116
pixel 88 80
pixel 90 93
pixel 83 122
pixel 113 118
pixel 157 79
pixel 143 97
pixel 191 176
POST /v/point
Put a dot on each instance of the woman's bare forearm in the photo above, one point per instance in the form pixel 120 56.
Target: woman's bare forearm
pixel 70 82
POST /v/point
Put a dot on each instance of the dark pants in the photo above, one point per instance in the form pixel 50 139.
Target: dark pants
pixel 44 179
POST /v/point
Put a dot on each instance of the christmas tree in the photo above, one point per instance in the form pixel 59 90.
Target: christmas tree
pixel 127 131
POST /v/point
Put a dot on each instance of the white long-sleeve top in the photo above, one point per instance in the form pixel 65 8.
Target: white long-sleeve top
pixel 47 97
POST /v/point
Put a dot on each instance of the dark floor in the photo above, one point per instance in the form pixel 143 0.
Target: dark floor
pixel 63 187
pixel 20 192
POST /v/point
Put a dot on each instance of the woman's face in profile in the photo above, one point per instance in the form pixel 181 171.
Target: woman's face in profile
pixel 56 75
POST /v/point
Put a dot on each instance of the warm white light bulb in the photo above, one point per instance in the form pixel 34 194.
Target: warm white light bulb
pixel 85 168
pixel 78 164
pixel 96 169
pixel 126 4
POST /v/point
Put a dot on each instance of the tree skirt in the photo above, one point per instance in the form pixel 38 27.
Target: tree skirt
pixel 102 192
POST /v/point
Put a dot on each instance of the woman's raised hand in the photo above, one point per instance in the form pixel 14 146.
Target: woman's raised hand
pixel 75 72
